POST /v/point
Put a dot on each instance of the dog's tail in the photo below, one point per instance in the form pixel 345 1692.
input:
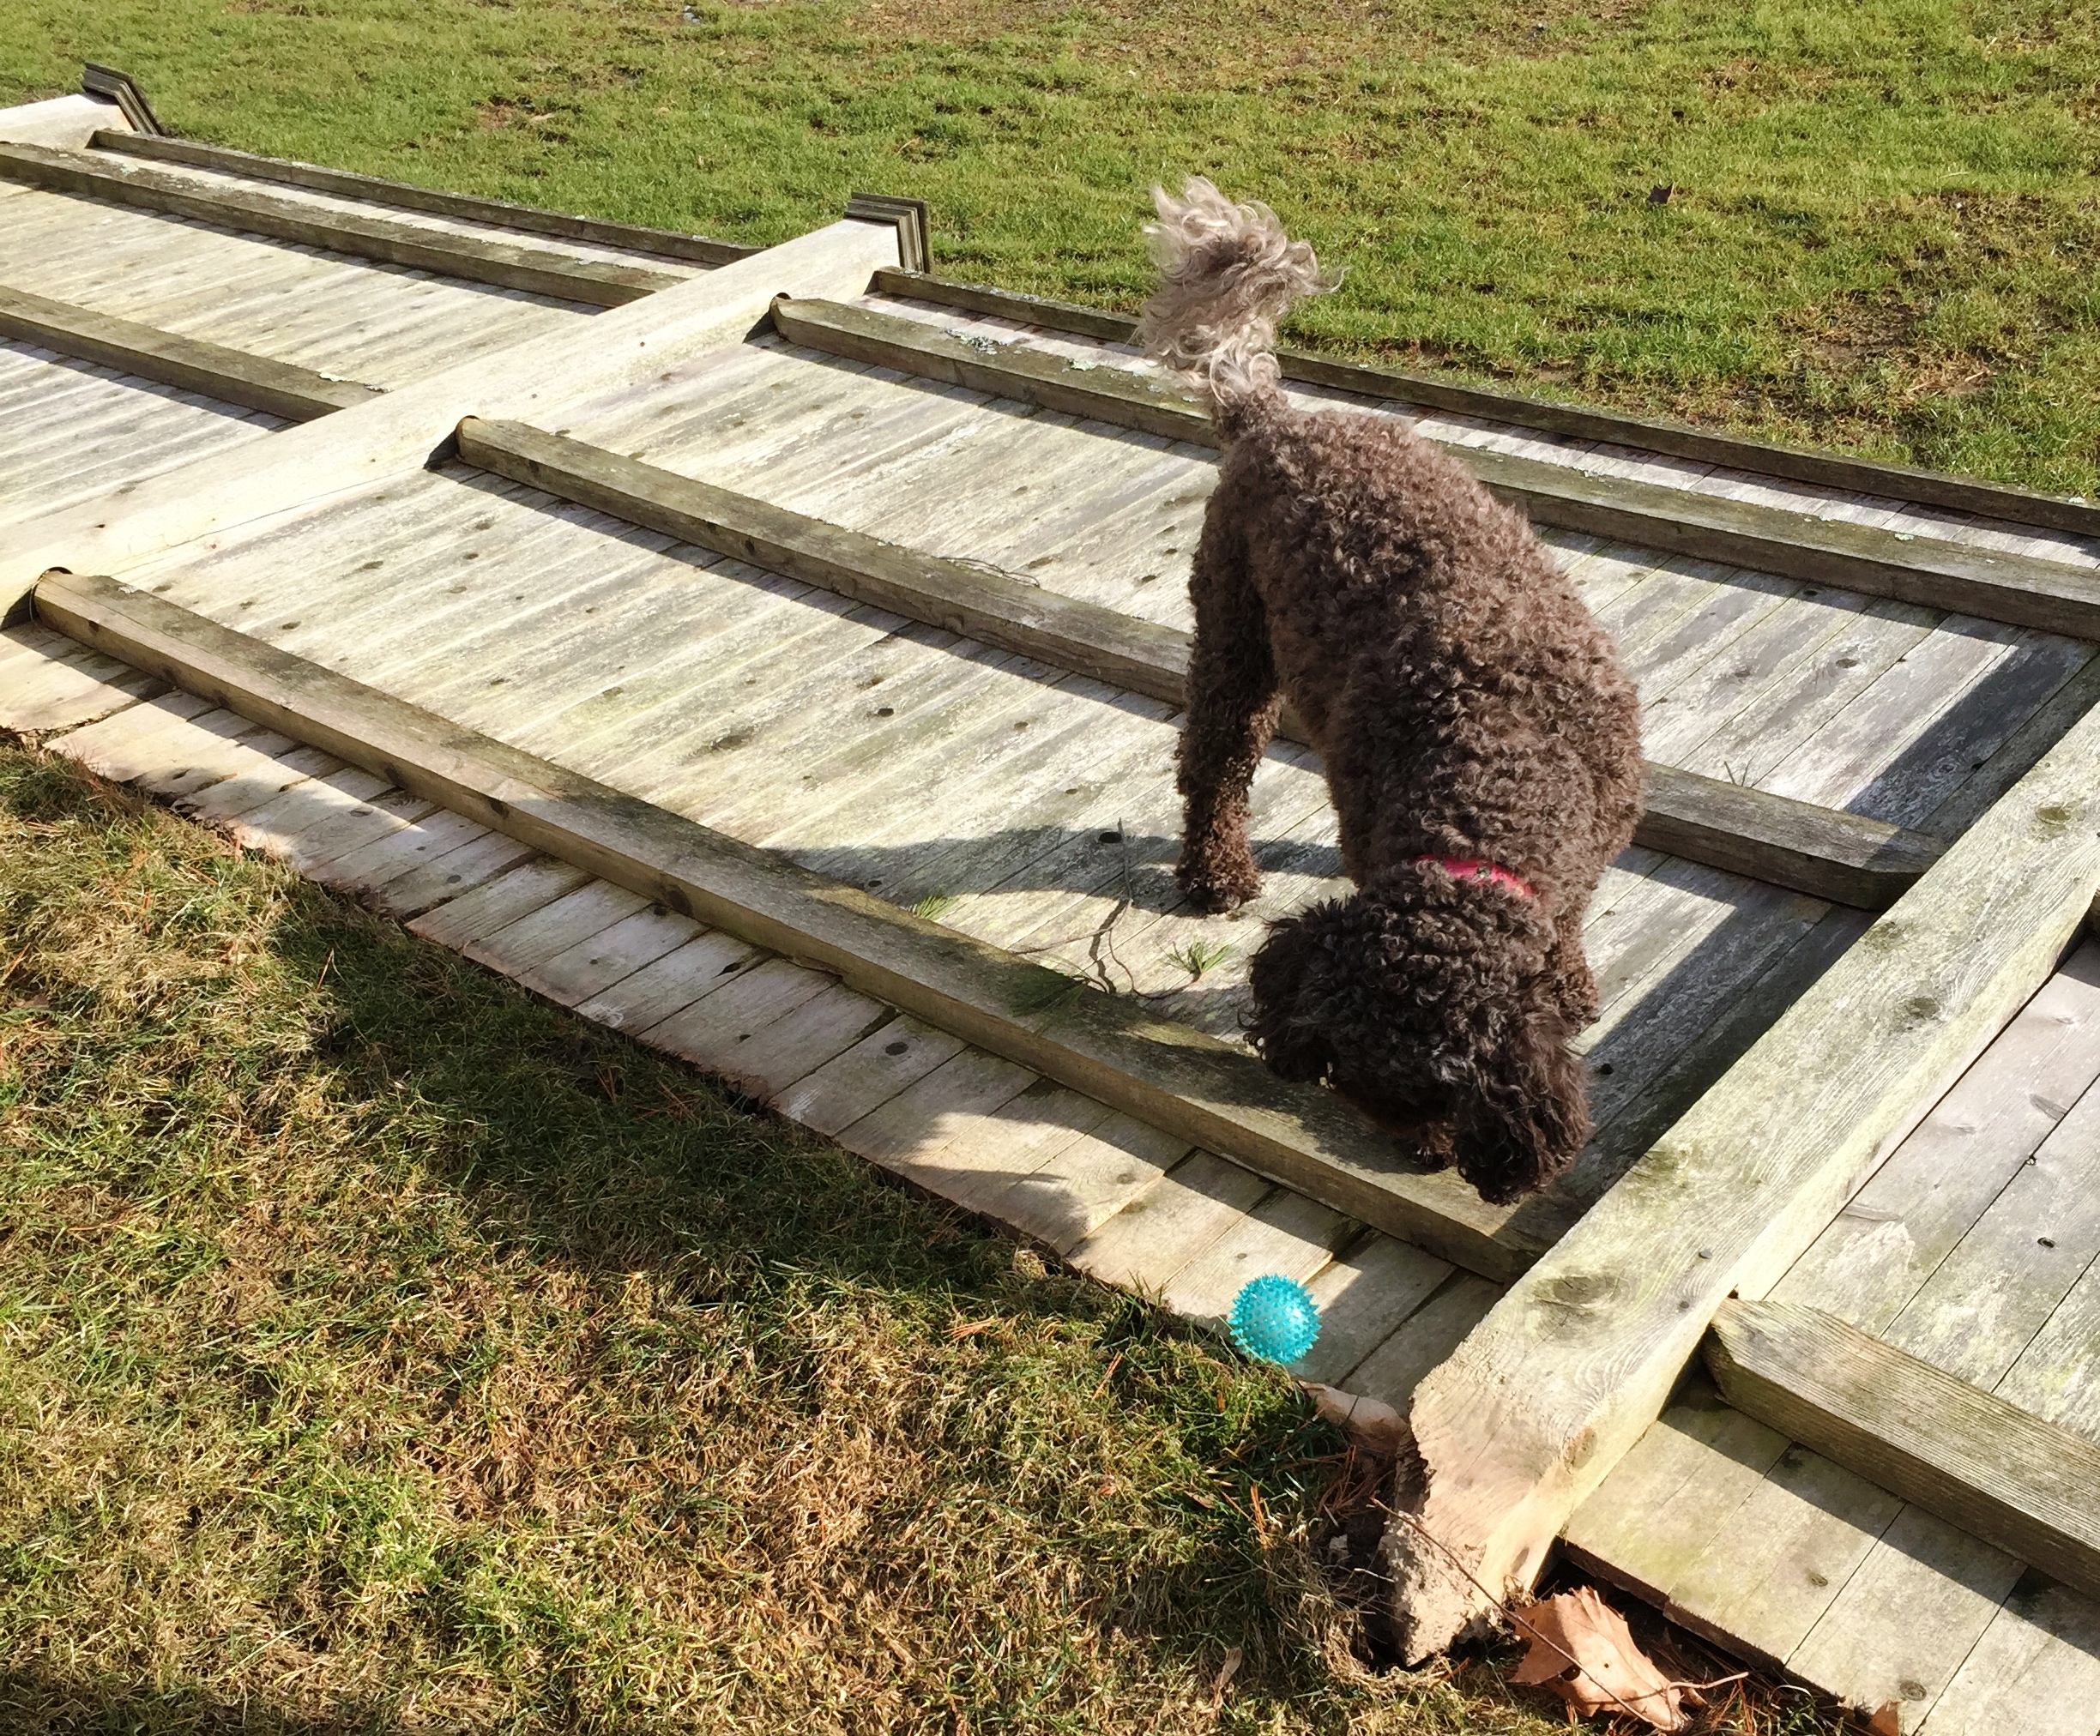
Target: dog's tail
pixel 1228 273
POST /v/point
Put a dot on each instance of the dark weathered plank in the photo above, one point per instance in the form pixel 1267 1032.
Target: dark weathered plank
pixel 1846 858
pixel 1966 1455
pixel 232 376
pixel 669 243
pixel 2049 595
pixel 1109 1047
pixel 477 259
pixel 1735 452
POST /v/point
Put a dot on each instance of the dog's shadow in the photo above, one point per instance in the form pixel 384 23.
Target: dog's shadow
pixel 1134 868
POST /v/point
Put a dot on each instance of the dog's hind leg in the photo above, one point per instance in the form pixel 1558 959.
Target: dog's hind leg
pixel 1232 712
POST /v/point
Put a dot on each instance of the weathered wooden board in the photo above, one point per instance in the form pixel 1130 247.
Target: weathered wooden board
pixel 514 266
pixel 498 212
pixel 1875 1256
pixel 1869 1608
pixel 1539 1403
pixel 2045 595
pixel 1822 469
pixel 2030 1488
pixel 1127 542
pixel 298 395
pixel 1819 851
pixel 108 432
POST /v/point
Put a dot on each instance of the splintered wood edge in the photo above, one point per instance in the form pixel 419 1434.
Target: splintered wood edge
pixel 1169 1075
pixel 1845 858
pixel 232 376
pixel 1762 458
pixel 668 243
pixel 1553 1387
pixel 477 260
pixel 2046 595
pixel 1966 1455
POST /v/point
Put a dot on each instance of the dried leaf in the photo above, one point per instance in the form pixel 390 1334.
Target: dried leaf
pixel 1582 1650
pixel 1887 1720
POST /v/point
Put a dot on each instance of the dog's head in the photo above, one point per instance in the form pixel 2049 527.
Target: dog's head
pixel 1428 1003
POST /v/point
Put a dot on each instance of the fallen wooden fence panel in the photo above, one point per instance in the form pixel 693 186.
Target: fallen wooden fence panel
pixel 1171 1076
pixel 2022 592
pixel 1675 439
pixel 1846 858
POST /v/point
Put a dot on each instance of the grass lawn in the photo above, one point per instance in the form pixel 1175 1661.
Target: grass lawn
pixel 380 1349
pixel 383 1349
pixel 1883 233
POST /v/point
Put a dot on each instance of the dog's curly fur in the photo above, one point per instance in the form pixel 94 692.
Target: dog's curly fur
pixel 1464 703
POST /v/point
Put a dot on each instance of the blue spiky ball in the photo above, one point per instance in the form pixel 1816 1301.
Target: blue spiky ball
pixel 1274 1320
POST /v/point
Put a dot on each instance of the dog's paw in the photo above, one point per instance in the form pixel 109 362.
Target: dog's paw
pixel 1215 889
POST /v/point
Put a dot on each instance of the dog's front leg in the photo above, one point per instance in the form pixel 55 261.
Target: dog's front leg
pixel 1574 989
pixel 1232 712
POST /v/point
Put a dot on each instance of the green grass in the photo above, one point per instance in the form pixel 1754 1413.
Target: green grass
pixel 1884 232
pixel 381 1348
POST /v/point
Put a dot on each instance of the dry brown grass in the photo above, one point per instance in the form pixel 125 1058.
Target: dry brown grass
pixel 381 1349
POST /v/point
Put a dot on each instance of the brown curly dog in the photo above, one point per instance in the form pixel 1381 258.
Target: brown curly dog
pixel 1482 743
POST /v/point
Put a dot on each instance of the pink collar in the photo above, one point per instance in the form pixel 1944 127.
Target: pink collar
pixel 1473 868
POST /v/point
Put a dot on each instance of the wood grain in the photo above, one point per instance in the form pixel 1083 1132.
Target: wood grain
pixel 1957 1451
pixel 1846 858
pixel 986 605
pixel 232 376
pixel 398 431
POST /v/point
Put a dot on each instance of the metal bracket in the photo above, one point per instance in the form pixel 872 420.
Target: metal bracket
pixel 121 88
pixel 914 249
